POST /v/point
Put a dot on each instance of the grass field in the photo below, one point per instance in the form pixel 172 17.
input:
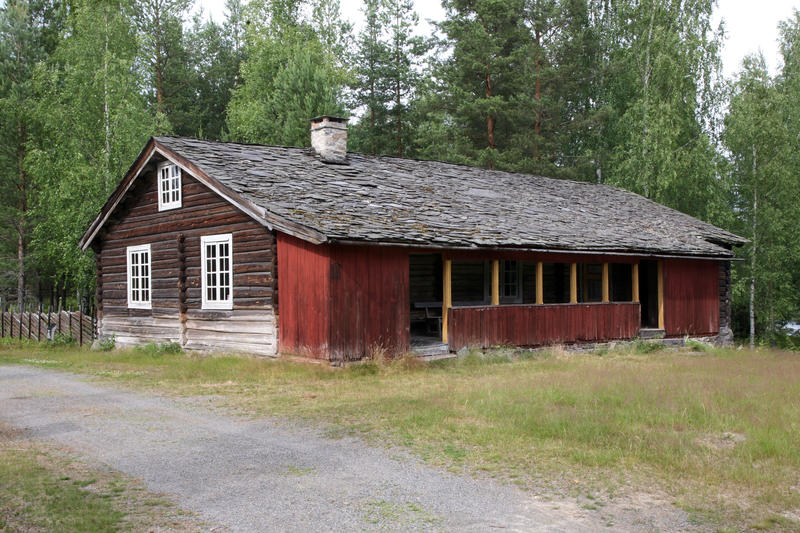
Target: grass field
pixel 717 431
pixel 43 489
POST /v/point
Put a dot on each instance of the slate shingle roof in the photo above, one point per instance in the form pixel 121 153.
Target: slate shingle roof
pixel 395 200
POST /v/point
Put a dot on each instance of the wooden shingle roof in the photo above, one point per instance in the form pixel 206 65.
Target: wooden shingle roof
pixel 394 200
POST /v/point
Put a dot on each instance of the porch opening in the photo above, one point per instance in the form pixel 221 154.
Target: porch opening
pixel 648 293
pixel 425 298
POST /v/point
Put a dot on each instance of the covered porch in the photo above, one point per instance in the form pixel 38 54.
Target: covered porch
pixel 530 299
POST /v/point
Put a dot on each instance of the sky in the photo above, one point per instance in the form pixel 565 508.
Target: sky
pixel 750 25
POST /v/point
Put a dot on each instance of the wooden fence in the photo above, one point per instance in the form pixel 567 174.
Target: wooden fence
pixel 44 325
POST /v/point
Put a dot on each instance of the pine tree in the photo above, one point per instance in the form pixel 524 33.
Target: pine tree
pixel 369 135
pixel 160 25
pixel 388 65
pixel 489 42
pixel 215 60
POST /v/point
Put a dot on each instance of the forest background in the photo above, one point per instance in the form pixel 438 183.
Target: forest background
pixel 624 92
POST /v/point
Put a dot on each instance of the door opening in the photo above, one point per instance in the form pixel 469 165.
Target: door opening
pixel 425 299
pixel 648 293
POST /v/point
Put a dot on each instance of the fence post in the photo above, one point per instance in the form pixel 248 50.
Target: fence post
pixel 3 320
pixel 58 328
pixel 30 337
pixel 80 326
pixel 39 323
pixel 19 331
pixel 49 312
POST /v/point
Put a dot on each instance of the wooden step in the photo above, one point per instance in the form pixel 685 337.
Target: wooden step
pixel 651 333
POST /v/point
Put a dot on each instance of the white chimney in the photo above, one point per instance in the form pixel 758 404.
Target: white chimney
pixel 329 138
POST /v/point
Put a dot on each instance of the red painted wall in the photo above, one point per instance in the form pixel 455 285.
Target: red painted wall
pixel 691 297
pixel 341 302
pixel 303 297
pixel 369 301
pixel 535 325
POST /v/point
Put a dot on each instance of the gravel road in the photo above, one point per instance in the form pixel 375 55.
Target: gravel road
pixel 265 475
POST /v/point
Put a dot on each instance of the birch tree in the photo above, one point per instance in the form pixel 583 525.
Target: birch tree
pixel 760 151
pixel 91 121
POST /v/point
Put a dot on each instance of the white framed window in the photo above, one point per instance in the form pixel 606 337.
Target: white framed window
pixel 217 271
pixel 139 282
pixel 169 186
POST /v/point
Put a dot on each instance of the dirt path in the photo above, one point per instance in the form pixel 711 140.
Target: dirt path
pixel 263 475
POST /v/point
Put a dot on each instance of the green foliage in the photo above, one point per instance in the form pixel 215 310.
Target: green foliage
pixel 285 82
pixel 156 349
pixel 63 340
pixel 91 122
pixel 291 74
pixel 107 344
pixel 645 347
pixel 387 66
pixel 761 137
pixel 696 345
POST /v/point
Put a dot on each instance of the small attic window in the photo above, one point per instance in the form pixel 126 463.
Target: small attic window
pixel 169 186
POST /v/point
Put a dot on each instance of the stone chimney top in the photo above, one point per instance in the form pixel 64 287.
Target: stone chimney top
pixel 329 138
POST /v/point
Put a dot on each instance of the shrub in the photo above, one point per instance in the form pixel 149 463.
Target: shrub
pixel 107 344
pixel 63 339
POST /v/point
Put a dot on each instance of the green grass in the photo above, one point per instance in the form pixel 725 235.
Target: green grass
pixel 42 489
pixel 34 498
pixel 718 432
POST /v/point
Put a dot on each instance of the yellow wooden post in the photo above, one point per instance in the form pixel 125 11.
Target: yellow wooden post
pixel 606 298
pixel 539 283
pixel 635 282
pixel 573 283
pixel 447 295
pixel 496 282
pixel 661 294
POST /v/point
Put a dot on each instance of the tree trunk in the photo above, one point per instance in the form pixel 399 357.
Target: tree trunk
pixel 490 119
pixel 537 97
pixel 106 118
pixel 648 190
pixel 398 118
pixel 23 207
pixel 753 256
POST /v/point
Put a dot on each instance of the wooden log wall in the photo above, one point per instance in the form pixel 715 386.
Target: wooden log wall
pixel 691 297
pixel 174 237
pixel 537 325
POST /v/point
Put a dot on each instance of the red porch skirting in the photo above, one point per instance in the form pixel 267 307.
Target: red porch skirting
pixel 536 325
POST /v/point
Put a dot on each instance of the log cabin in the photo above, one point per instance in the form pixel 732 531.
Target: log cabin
pixel 333 255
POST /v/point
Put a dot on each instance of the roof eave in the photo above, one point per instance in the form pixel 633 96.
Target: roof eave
pixel 663 254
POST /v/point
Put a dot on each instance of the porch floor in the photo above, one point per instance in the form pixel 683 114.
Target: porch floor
pixel 425 346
